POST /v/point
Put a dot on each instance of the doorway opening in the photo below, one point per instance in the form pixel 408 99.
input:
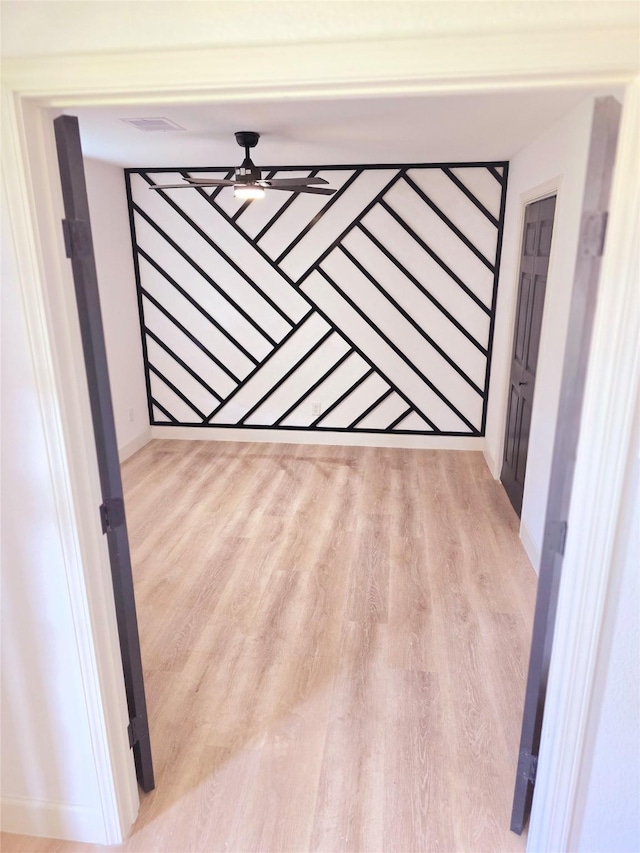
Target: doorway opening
pixel 531 335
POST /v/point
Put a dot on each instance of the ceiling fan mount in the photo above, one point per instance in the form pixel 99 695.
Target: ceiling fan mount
pixel 247 138
pixel 247 182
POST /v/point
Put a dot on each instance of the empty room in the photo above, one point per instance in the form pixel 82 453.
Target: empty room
pixel 323 362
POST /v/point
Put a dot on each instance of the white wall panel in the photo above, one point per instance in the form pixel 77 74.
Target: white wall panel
pixel 458 207
pixel 356 403
pixel 385 413
pixel 307 374
pixel 330 391
pixel 400 332
pixel 226 310
pixel 427 402
pixel 468 313
pixel 344 211
pixel 296 218
pixel 188 315
pixel 369 310
pixel 273 370
pixel 439 237
pixel 434 323
pixel 482 183
pixel 196 355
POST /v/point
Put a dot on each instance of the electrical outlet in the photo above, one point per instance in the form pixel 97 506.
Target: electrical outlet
pixel 131 416
pixel 316 407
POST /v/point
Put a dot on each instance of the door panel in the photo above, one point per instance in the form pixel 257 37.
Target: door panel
pixel 522 317
pixel 77 233
pixel 546 231
pixel 522 445
pixel 604 134
pixel 534 263
pixel 512 424
pixel 537 305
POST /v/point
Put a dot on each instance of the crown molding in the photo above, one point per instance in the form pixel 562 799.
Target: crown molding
pixel 389 67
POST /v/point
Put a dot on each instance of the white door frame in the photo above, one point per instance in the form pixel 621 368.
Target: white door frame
pixel 490 62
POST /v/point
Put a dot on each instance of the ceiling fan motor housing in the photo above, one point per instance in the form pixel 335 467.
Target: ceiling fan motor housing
pixel 247 172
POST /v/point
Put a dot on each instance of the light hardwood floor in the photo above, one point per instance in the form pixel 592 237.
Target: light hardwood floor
pixel 335 643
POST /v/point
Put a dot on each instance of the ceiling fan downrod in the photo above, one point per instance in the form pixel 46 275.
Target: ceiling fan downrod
pixel 247 170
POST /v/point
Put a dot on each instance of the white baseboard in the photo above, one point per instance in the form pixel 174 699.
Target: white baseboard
pixel 533 552
pixel 418 442
pixel 492 465
pixel 45 819
pixel 132 447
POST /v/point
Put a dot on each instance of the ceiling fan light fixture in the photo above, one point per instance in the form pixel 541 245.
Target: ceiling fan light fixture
pixel 248 192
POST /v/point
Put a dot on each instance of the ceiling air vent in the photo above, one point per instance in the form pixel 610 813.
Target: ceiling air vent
pixel 156 125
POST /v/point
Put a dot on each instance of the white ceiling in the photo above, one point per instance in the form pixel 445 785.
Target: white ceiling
pixel 420 129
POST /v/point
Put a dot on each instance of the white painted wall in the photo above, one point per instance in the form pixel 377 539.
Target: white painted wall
pixel 49 784
pixel 609 818
pixel 556 161
pixel 118 301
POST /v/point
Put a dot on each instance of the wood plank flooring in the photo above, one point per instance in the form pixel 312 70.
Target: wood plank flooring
pixel 335 643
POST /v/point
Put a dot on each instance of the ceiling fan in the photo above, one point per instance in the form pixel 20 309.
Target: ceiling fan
pixel 247 182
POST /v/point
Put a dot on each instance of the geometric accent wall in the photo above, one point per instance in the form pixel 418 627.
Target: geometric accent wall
pixel 371 310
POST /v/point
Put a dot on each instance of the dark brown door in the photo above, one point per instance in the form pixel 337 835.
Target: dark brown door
pixel 584 295
pixel 534 266
pixel 79 245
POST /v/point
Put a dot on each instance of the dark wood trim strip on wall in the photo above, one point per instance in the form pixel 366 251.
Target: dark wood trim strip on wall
pixel 176 390
pixel 494 296
pixel 136 272
pixel 160 407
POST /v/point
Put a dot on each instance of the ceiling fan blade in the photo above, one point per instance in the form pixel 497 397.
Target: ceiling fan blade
pixel 299 189
pixel 297 182
pixel 192 185
pixel 171 187
pixel 210 182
